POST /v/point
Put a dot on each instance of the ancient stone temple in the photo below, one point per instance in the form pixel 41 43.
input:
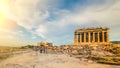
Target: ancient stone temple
pixel 91 36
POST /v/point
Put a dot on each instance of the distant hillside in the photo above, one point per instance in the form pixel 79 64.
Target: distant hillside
pixel 116 42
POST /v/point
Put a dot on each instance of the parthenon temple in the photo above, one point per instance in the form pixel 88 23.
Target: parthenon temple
pixel 91 36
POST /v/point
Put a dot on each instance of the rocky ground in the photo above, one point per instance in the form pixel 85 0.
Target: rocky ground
pixel 33 59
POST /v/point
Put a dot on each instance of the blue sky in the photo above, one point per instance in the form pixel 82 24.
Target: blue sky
pixel 31 21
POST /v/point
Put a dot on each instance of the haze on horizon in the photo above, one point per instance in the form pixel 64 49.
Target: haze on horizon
pixel 25 22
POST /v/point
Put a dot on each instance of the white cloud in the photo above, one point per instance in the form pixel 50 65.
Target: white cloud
pixel 34 37
pixel 33 15
pixel 41 31
pixel 28 13
pixel 106 14
pixel 102 15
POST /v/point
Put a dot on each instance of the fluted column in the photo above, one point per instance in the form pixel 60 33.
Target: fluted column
pixel 93 37
pixel 84 37
pixel 89 37
pixel 80 37
pixel 76 38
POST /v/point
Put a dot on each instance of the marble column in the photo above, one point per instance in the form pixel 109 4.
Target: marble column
pixel 80 37
pixel 89 37
pixel 98 37
pixel 93 37
pixel 76 38
pixel 84 37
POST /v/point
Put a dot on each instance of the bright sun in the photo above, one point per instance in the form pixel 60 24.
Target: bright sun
pixel 4 10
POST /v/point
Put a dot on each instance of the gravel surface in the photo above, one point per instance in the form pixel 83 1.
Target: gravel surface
pixel 36 60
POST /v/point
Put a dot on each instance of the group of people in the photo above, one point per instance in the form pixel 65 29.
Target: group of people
pixel 41 49
pixel 44 49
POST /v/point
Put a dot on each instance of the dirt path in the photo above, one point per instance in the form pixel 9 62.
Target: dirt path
pixel 33 60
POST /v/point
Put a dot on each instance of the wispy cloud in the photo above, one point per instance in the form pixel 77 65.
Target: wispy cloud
pixel 50 21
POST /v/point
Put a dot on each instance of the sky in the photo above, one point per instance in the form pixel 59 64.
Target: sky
pixel 24 22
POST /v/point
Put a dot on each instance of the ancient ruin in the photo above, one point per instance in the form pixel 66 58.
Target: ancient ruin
pixel 44 44
pixel 44 47
pixel 91 36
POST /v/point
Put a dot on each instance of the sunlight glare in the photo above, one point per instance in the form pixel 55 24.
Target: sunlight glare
pixel 4 11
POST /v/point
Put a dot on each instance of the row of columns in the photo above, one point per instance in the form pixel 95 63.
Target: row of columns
pixel 90 37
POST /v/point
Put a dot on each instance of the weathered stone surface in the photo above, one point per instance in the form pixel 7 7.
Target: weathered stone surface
pixel 91 36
